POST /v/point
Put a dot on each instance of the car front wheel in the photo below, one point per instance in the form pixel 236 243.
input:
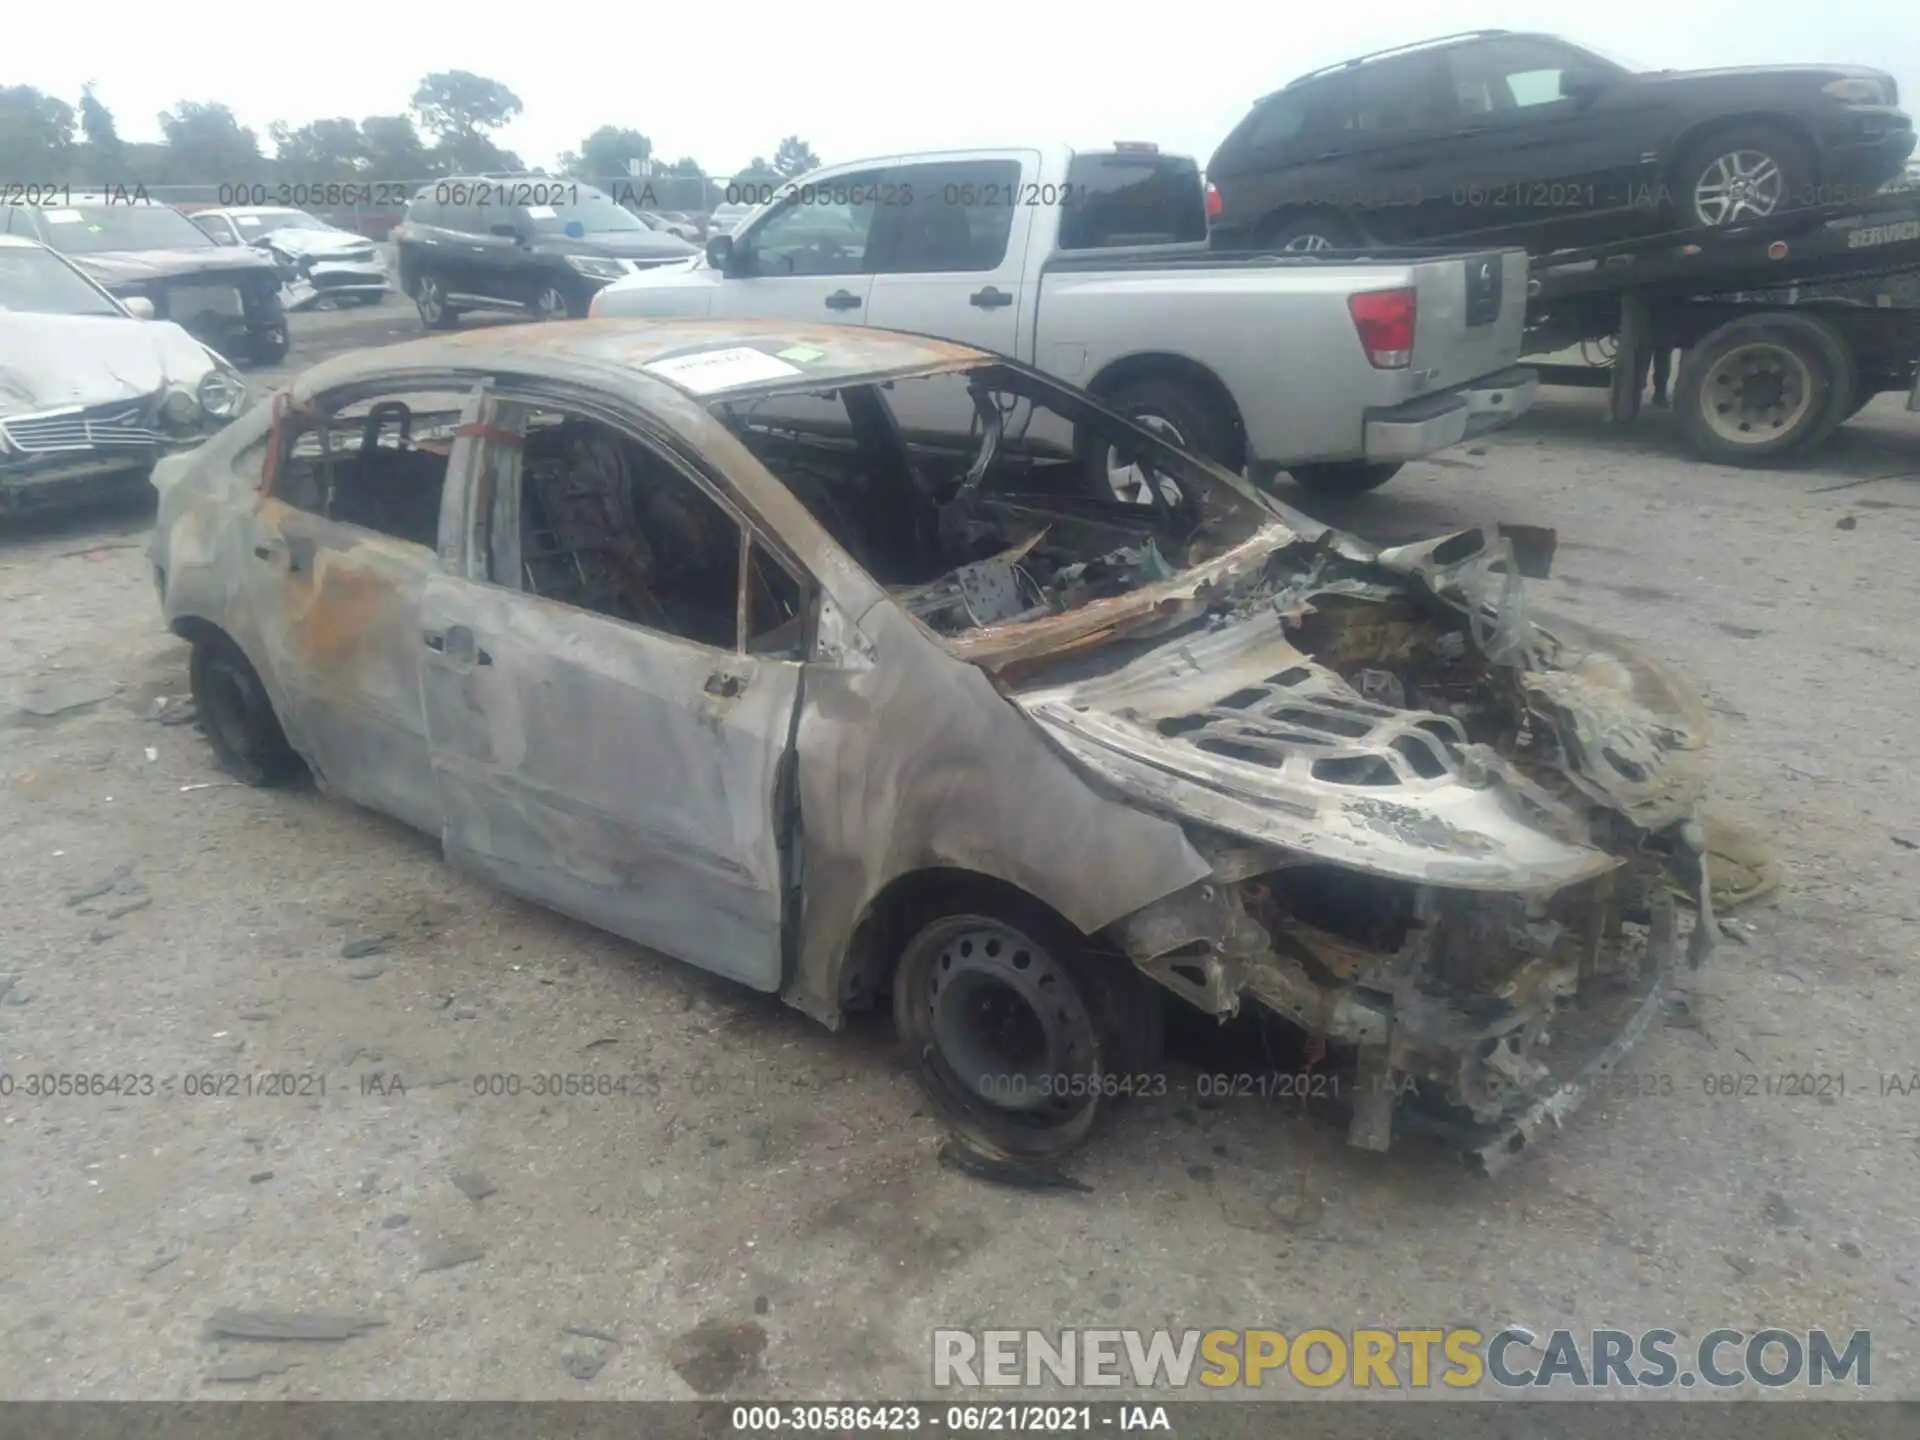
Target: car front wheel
pixel 1015 1030
pixel 1740 175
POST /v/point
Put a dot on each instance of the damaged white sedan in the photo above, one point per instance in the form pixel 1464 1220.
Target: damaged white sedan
pixel 796 652
pixel 93 390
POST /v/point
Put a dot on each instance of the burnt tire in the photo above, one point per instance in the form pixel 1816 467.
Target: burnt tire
pixel 237 715
pixel 1180 412
pixel 1332 479
pixel 1764 389
pixel 1014 1028
pixel 1741 174
pixel 1307 233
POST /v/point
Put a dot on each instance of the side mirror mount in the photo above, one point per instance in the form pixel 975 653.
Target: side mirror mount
pixel 720 254
pixel 1582 87
pixel 138 306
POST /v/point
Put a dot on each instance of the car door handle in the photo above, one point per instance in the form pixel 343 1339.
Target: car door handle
pixel 990 298
pixel 456 643
pixel 843 300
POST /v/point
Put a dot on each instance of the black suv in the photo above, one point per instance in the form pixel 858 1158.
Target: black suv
pixel 1497 136
pixel 142 250
pixel 524 244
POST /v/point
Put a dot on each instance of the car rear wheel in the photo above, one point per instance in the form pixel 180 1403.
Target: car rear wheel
pixel 1181 413
pixel 1740 175
pixel 1014 1029
pixel 237 715
pixel 269 346
pixel 1764 388
pixel 1335 478
pixel 1307 233
pixel 430 298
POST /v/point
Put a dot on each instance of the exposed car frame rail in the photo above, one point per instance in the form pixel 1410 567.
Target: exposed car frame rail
pixel 1769 287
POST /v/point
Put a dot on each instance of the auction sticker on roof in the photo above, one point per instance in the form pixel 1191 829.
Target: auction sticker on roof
pixel 712 370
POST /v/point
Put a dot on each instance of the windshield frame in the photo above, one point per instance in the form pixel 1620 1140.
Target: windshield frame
pixel 192 237
pixel 109 307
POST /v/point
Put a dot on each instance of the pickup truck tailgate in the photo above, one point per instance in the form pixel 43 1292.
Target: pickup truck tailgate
pixel 1471 310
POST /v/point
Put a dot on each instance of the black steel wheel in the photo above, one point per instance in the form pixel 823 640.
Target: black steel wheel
pixel 1003 1015
pixel 237 715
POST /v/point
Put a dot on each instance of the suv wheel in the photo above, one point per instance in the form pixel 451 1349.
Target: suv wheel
pixel 550 302
pixel 431 300
pixel 1741 174
pixel 1310 232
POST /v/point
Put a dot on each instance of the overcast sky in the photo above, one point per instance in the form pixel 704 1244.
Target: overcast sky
pixel 723 80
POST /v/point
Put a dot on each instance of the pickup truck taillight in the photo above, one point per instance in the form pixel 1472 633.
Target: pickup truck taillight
pixel 1213 201
pixel 1384 319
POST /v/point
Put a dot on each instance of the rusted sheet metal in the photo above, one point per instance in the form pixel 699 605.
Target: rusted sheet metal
pixel 909 762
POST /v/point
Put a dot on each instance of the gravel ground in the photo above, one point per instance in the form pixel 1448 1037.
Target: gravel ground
pixel 763 1213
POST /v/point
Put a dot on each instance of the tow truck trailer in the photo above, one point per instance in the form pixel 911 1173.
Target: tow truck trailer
pixel 1789 325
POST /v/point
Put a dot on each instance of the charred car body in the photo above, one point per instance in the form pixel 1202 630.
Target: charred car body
pixel 141 250
pixel 91 395
pixel 669 626
pixel 321 266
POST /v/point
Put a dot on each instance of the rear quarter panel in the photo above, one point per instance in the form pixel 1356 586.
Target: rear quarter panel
pixel 1279 337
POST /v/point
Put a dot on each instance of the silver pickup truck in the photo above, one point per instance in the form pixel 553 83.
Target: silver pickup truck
pixel 1094 267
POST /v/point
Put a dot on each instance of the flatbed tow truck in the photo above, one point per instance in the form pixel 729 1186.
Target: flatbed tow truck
pixel 1789 325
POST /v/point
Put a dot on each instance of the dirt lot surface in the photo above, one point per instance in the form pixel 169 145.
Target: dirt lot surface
pixel 762 1212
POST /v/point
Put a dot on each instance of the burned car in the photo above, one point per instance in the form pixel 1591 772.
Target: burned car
pixel 91 394
pixel 322 267
pixel 142 250
pixel 672 627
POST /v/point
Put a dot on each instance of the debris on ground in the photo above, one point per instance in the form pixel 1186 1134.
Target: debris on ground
pixel 113 895
pixel 996 1170
pixel 716 1355
pixel 452 1250
pixel 243 1371
pixel 286 1325
pixel 475 1186
pixel 61 697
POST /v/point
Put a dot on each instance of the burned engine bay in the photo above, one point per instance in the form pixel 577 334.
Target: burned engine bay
pixel 1445 837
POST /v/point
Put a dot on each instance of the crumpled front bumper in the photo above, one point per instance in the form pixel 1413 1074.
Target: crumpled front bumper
pixel 1492 1023
pixel 325 281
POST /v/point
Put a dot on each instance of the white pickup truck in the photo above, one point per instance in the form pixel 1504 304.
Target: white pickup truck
pixel 1093 266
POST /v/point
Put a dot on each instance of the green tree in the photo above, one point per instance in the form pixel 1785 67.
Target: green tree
pixel 605 154
pixel 794 157
pixel 36 137
pixel 319 150
pixel 461 110
pixel 207 144
pixel 391 149
pixel 102 158
pixel 757 172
